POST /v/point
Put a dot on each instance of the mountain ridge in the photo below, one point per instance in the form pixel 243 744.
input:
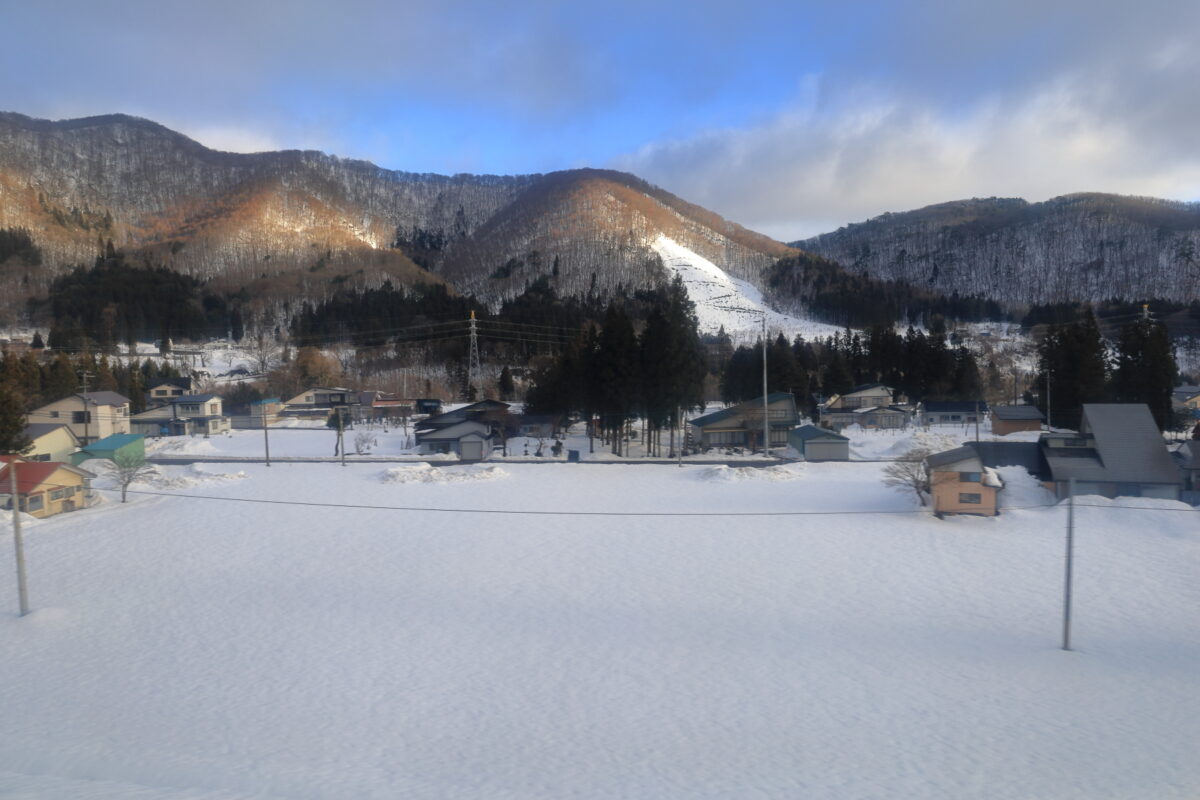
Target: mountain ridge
pixel 302 222
pixel 1088 246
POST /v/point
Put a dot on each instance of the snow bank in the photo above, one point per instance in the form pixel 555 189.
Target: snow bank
pixel 187 477
pixel 723 474
pixel 424 473
pixel 1021 490
pixel 187 445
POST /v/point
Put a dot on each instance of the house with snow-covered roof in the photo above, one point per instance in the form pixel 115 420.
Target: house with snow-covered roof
pixel 961 483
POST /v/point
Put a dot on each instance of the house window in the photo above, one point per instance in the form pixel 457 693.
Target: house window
pixel 34 503
pixel 80 417
pixel 54 415
pixel 972 498
pixel 56 494
pixel 40 457
pixel 969 477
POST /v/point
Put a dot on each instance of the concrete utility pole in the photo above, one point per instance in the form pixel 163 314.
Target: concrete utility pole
pixel 84 374
pixel 18 543
pixel 1066 632
pixel 766 405
pixel 341 436
pixel 1048 426
pixel 266 439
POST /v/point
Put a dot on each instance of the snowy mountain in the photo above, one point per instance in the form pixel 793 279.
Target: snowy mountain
pixel 725 302
pixel 1076 247
pixel 302 224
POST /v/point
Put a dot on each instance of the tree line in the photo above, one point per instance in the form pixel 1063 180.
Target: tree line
pixel 613 373
pixel 1077 366
pixel 115 302
pixel 28 382
pixel 918 365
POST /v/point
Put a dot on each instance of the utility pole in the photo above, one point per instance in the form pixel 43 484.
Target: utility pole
pixel 18 543
pixel 766 406
pixel 1048 426
pixel 84 374
pixel 266 439
pixel 977 420
pixel 473 369
pixel 341 435
pixel 1066 632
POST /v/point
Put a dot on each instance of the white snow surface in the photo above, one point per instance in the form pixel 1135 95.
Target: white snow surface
pixel 725 301
pixel 183 647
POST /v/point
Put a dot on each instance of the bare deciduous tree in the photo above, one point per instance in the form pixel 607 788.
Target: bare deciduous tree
pixel 265 351
pixel 363 442
pixel 127 468
pixel 907 473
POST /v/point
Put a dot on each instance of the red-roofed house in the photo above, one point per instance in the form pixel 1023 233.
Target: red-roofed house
pixel 45 488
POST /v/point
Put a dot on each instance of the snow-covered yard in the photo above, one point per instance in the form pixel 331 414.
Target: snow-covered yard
pixel 206 648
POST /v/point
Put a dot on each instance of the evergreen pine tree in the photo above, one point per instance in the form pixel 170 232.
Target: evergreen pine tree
pixel 1145 369
pixel 505 385
pixel 12 422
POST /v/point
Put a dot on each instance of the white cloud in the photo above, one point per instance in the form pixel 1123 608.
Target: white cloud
pixel 231 139
pixel 804 172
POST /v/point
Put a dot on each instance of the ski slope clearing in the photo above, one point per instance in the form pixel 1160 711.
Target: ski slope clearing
pixel 723 301
pixel 203 648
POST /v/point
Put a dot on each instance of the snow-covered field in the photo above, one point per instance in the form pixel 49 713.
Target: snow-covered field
pixel 206 648
pixel 723 301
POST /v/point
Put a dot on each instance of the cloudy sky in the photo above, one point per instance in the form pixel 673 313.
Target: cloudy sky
pixel 792 118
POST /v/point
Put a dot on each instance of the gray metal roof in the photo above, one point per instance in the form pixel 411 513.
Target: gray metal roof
pixel 1017 412
pixel 105 398
pixel 808 433
pixel 954 406
pixel 740 408
pixel 454 432
pixel 35 429
pixel 951 456
pixel 1188 454
pixel 1129 448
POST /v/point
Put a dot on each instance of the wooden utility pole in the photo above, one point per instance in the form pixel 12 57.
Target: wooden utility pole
pixel 18 543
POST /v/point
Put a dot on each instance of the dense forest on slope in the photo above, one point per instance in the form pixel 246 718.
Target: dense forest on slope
pixel 300 224
pixel 1080 247
pixel 832 294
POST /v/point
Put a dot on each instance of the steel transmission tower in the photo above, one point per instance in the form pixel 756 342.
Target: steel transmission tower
pixel 473 369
